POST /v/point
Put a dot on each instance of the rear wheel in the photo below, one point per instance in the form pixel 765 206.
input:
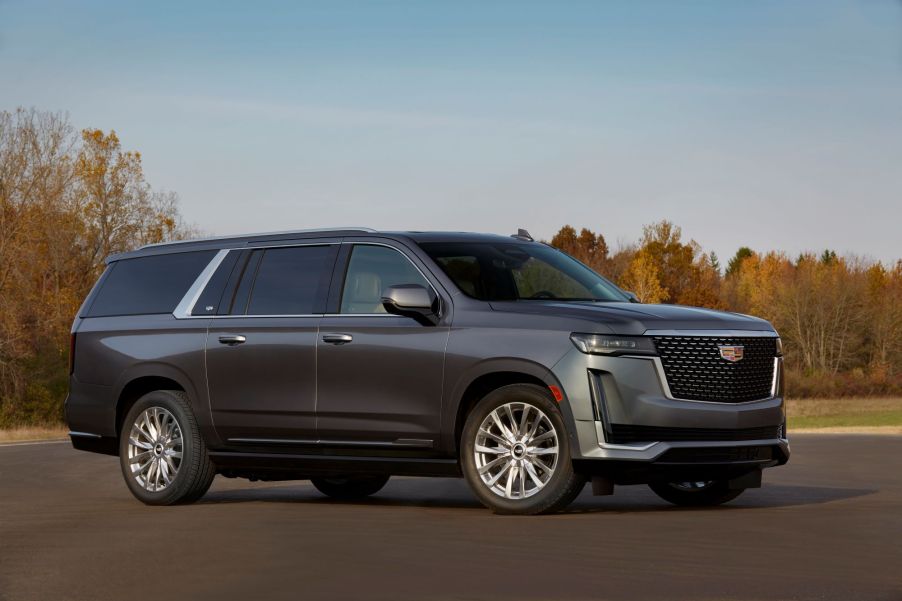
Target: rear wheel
pixel 515 452
pixel 350 487
pixel 704 493
pixel 163 457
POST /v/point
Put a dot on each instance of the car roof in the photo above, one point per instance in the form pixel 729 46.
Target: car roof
pixel 242 240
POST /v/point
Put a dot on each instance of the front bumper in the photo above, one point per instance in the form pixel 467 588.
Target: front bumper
pixel 613 399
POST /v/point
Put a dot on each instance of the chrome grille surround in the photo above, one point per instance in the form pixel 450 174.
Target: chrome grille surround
pixel 695 371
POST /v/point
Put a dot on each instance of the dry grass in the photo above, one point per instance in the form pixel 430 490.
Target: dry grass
pixel 847 414
pixel 27 434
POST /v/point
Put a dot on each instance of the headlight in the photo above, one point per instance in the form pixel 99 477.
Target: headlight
pixel 779 347
pixel 603 344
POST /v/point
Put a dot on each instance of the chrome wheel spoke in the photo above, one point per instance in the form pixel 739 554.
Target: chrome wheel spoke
pixel 542 437
pixel 505 432
pixel 488 466
pixel 492 450
pixel 542 450
pixel 495 437
pixel 533 475
pixel 508 485
pixel 494 479
pixel 524 421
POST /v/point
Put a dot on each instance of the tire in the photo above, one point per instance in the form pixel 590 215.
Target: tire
pixel 350 487
pixel 158 427
pixel 696 494
pixel 516 472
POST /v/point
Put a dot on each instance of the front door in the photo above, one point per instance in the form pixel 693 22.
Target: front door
pixel 380 375
pixel 261 358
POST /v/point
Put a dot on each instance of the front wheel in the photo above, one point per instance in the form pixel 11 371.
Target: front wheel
pixel 163 456
pixel 705 493
pixel 515 452
pixel 350 487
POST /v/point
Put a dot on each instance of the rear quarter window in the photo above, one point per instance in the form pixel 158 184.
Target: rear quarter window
pixel 147 285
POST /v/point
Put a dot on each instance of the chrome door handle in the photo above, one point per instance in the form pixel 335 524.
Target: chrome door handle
pixel 232 339
pixel 337 338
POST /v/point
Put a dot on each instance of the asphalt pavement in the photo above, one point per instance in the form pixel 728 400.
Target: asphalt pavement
pixel 826 526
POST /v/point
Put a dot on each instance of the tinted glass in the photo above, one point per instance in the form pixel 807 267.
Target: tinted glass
pixel 292 281
pixel 209 299
pixel 148 285
pixel 510 271
pixel 371 270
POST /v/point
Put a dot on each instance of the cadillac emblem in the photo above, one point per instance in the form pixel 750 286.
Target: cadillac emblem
pixel 731 353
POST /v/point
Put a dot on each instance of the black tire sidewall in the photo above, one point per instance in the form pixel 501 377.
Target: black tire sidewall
pixel 563 476
pixel 183 484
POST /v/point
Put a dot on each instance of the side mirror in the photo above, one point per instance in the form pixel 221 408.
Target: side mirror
pixel 632 296
pixel 411 300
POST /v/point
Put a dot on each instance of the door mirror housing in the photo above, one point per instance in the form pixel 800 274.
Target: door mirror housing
pixel 412 300
pixel 632 296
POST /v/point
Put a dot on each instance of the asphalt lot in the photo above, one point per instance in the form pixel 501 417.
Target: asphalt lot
pixel 826 526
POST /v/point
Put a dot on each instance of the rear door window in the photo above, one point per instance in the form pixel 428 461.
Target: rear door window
pixel 291 281
pixel 148 285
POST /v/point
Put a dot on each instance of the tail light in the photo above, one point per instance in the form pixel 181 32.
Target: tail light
pixel 71 353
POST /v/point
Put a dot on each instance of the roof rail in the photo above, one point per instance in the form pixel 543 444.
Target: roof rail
pixel 260 234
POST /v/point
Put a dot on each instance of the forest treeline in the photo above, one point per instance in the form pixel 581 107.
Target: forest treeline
pixel 840 317
pixel 69 198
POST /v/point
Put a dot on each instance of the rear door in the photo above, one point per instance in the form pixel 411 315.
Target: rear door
pixel 261 354
pixel 379 375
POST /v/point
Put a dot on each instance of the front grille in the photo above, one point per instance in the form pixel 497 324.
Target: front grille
pixel 622 434
pixel 696 371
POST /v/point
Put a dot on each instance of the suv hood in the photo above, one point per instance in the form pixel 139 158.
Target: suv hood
pixel 635 319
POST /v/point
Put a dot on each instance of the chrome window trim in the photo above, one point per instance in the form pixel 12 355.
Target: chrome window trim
pixel 184 308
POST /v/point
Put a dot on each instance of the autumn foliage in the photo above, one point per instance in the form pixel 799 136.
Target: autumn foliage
pixel 840 317
pixel 67 200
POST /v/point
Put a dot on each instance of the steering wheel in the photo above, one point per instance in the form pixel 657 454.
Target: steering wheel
pixel 543 294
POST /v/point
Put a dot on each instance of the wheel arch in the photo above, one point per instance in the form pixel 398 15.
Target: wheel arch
pixel 145 378
pixel 491 375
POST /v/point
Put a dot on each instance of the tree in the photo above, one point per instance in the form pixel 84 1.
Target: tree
pixel 741 255
pixel 643 279
pixel 587 246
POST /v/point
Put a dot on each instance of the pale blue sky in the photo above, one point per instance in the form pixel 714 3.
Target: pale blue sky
pixel 769 124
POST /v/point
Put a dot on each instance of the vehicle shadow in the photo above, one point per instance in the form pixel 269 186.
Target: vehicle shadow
pixel 440 493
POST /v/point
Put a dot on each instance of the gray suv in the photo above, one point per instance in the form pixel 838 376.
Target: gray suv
pixel 346 356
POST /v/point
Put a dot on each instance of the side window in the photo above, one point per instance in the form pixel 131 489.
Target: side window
pixel 291 281
pixel 148 285
pixel 371 270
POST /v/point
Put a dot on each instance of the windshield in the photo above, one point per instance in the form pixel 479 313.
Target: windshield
pixel 493 271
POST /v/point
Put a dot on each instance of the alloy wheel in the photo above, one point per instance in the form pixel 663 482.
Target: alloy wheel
pixel 516 450
pixel 155 449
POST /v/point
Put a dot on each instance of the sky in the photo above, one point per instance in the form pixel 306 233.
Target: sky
pixel 769 124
